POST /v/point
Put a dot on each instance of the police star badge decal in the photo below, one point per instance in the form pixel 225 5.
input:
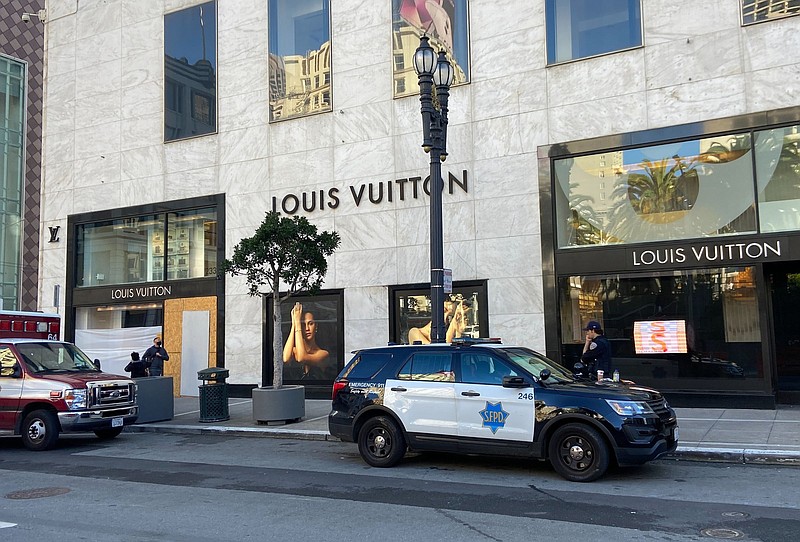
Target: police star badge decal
pixel 494 417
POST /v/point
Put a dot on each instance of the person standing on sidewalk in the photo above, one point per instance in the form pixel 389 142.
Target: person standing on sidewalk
pixel 156 355
pixel 597 350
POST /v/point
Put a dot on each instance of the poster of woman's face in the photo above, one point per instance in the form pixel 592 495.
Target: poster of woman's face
pixel 312 337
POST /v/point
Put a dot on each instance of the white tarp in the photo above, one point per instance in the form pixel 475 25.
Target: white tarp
pixel 113 347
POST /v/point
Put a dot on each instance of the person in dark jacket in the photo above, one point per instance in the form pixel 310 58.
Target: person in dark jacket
pixel 136 366
pixel 597 350
pixel 156 355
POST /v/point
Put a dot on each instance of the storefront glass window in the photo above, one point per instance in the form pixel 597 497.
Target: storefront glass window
pixel 692 189
pixel 299 58
pixel 584 28
pixel 463 314
pixel 12 121
pixel 190 65
pixel 111 333
pixel 754 11
pixel 191 249
pixel 446 24
pixel 120 251
pixel 778 176
pixel 670 327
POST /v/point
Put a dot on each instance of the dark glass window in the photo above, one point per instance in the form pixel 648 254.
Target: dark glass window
pixel 445 22
pixel 190 65
pixel 584 28
pixel 428 366
pixel 12 171
pixel 299 58
pixel 368 365
pixel 481 368
pixel 754 11
pixel 667 328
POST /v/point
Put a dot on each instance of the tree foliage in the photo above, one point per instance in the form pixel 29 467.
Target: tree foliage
pixel 282 251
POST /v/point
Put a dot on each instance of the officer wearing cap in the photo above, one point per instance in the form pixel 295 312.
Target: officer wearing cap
pixel 597 350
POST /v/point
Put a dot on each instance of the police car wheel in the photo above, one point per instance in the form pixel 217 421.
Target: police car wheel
pixel 40 430
pixel 381 443
pixel 578 453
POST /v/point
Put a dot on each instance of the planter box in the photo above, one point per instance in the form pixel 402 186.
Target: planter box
pixel 155 399
pixel 285 404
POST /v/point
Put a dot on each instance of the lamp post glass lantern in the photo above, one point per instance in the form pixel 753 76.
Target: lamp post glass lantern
pixel 435 71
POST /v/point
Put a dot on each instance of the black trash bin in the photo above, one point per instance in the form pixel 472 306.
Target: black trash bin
pixel 213 395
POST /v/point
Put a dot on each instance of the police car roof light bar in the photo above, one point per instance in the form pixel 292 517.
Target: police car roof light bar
pixel 476 340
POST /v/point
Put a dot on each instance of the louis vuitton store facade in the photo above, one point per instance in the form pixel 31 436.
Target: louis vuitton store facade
pixel 685 243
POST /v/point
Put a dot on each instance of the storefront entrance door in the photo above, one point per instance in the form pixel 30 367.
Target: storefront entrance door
pixel 785 285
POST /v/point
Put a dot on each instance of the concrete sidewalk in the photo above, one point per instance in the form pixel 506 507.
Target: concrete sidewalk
pixel 724 435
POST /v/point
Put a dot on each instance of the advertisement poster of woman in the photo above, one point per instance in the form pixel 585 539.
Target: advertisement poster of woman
pixel 309 348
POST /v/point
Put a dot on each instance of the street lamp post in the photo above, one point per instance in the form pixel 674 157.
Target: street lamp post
pixel 435 71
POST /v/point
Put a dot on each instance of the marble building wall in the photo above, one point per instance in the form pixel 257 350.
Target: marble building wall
pixel 103 142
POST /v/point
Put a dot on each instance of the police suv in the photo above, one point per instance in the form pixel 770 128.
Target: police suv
pixel 478 396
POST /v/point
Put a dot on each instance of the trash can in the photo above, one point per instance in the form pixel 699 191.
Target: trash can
pixel 213 395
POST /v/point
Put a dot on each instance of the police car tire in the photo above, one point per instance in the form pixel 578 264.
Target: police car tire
pixel 381 443
pixel 578 453
pixel 108 434
pixel 40 430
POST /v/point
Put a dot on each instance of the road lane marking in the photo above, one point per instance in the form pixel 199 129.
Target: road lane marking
pixel 4 525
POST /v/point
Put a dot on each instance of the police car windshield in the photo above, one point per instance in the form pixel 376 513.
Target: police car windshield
pixel 54 358
pixel 533 362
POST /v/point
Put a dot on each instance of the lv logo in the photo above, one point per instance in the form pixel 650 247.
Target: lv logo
pixel 54 233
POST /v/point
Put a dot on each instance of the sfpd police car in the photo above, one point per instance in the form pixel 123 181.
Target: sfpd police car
pixel 482 397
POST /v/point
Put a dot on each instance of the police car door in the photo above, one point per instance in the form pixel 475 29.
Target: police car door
pixel 423 394
pixel 486 409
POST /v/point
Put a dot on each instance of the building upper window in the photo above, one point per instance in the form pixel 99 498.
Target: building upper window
pixel 299 58
pixel 755 11
pixel 147 248
pixel 446 24
pixel 12 173
pixel 583 28
pixel 684 190
pixel 190 66
pixel 778 176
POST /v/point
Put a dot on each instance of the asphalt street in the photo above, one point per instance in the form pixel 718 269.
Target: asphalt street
pixel 156 486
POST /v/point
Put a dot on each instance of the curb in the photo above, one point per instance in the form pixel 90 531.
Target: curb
pixel 736 455
pixel 264 432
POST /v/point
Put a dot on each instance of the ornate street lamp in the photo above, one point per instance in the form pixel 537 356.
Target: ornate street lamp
pixel 435 71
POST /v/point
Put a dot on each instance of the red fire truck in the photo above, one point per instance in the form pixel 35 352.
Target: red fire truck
pixel 48 386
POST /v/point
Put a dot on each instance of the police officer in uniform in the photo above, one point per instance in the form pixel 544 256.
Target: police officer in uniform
pixel 597 350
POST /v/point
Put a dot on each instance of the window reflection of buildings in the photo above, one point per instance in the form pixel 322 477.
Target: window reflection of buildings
pixel 761 10
pixel 190 98
pixel 405 40
pixel 300 85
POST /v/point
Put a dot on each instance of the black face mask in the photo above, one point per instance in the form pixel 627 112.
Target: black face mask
pixel 158 343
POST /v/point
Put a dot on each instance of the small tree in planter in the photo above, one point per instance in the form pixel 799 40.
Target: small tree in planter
pixel 288 250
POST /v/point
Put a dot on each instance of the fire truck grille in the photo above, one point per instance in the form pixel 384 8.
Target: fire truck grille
pixel 104 394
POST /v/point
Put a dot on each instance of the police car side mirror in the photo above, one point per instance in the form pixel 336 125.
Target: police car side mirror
pixel 544 375
pixel 579 370
pixel 514 382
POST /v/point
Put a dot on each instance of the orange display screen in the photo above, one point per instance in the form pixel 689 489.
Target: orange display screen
pixel 660 336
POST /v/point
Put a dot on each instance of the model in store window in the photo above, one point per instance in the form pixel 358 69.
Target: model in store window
pixel 303 358
pixel 454 320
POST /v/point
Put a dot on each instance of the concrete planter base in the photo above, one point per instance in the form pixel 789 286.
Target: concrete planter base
pixel 285 404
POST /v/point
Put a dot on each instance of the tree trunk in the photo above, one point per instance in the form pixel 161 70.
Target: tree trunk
pixel 277 340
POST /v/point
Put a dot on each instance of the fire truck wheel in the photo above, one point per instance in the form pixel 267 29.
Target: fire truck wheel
pixel 40 430
pixel 108 434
